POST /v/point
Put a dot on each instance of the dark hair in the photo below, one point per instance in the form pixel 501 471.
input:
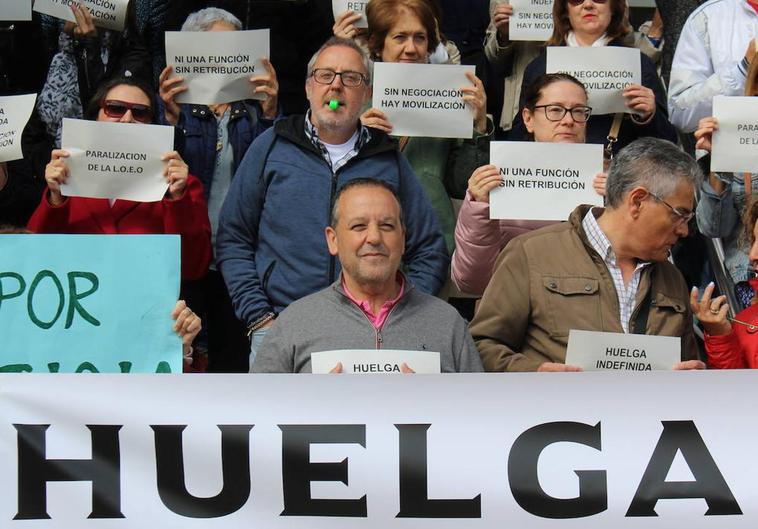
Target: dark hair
pixel 93 107
pixel 383 14
pixel 363 182
pixel 617 28
pixel 534 91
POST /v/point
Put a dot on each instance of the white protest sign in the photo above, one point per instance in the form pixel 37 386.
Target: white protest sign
pixel 544 181
pixel 109 14
pixel 375 361
pixel 116 160
pixel 340 6
pixel 15 10
pixel 735 143
pixel 641 3
pixel 531 20
pixel 605 72
pixel 217 65
pixel 452 451
pixel 14 113
pixel 610 351
pixel 424 99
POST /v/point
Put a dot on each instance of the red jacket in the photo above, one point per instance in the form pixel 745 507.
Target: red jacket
pixel 738 349
pixel 187 216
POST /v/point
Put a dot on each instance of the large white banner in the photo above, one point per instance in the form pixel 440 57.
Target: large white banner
pixel 116 160
pixel 735 143
pixel 14 114
pixel 542 180
pixel 487 451
pixel 424 99
pixel 110 14
pixel 217 65
pixel 605 72
pixel 531 20
pixel 16 10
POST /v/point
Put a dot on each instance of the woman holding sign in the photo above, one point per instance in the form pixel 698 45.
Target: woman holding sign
pixel 183 209
pixel 731 343
pixel 406 31
pixel 555 111
pixel 723 200
pixel 595 23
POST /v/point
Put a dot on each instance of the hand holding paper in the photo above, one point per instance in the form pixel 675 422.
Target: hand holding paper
pixel 269 85
pixel 56 173
pixel 84 25
pixel 598 183
pixel 345 24
pixel 641 100
pixel 501 19
pixel 704 133
pixel 176 173
pixel 483 180
pixel 476 98
pixel 554 367
pixel 169 88
pixel 376 119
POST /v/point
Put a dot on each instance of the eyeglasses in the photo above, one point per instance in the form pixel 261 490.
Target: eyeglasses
pixel 114 108
pixel 580 2
pixel 683 216
pixel 579 114
pixel 326 76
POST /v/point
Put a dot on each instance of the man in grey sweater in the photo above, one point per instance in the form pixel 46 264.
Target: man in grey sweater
pixel 371 305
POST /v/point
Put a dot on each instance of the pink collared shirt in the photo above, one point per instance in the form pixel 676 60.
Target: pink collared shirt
pixel 377 320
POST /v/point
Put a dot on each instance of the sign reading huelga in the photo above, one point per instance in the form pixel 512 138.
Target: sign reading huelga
pixel 534 450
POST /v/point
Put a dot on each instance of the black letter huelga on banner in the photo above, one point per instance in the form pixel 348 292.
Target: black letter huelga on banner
pixel 709 484
pixel 235 471
pixel 35 471
pixel 298 471
pixel 525 485
pixel 414 499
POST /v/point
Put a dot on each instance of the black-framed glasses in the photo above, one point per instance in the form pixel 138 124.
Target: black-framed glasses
pixel 113 108
pixel 348 78
pixel 579 114
pixel 580 2
pixel 683 216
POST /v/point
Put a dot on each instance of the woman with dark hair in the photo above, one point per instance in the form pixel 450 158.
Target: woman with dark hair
pixel 731 344
pixel 182 210
pixel 406 31
pixel 596 23
pixel 555 111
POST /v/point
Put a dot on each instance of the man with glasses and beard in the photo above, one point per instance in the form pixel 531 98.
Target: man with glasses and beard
pixel 607 269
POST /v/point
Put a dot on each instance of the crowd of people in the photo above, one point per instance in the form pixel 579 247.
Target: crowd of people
pixel 306 226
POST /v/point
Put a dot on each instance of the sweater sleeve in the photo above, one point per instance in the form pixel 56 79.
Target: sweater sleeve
pixel 276 354
pixel 478 241
pixel 188 216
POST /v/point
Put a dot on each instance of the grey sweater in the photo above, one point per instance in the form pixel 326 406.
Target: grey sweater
pixel 329 320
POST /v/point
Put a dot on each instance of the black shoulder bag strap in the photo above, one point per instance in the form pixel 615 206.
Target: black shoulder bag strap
pixel 639 326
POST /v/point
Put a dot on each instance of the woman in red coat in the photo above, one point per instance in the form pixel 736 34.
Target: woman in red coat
pixel 731 345
pixel 183 209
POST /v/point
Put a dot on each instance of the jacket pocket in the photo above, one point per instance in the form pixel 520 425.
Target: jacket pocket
pixel 668 316
pixel 572 302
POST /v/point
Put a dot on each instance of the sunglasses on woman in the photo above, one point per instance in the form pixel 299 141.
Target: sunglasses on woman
pixel 114 108
pixel 580 2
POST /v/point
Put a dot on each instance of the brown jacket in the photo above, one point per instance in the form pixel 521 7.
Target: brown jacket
pixel 550 281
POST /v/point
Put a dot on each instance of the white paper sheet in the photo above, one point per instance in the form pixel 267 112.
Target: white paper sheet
pixel 109 14
pixel 544 181
pixel 424 99
pixel 340 6
pixel 610 351
pixel 360 361
pixel 217 65
pixel 531 20
pixel 604 71
pixel 15 10
pixel 735 143
pixel 116 160
pixel 14 113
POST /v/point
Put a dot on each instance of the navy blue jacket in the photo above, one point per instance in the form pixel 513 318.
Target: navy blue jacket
pixel 197 138
pixel 271 247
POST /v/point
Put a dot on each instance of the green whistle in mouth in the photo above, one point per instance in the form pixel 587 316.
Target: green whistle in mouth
pixel 334 104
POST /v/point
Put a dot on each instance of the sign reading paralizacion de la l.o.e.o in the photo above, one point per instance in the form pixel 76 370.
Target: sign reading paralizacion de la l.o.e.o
pixel 605 71
pixel 735 142
pixel 109 14
pixel 543 180
pixel 424 99
pixel 89 303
